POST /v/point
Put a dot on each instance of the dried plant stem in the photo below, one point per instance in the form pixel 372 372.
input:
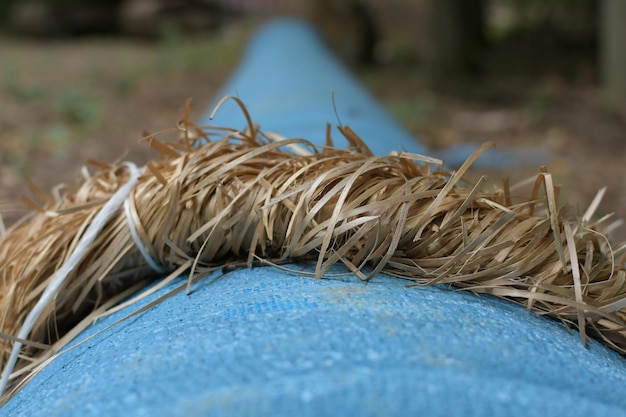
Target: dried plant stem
pixel 207 204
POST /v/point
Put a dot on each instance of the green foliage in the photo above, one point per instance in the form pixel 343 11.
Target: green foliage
pixel 171 42
pixel 415 113
pixel 176 52
pixel 568 17
pixel 58 138
pixel 65 99
pixel 14 88
pixel 78 108
pixel 5 6
pixel 541 100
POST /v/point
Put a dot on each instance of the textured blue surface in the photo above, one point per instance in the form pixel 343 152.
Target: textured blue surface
pixel 262 342
pixel 286 78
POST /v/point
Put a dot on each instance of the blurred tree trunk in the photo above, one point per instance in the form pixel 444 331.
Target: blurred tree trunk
pixel 613 51
pixel 457 38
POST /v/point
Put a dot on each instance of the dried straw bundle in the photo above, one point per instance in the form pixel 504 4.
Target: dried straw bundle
pixel 245 198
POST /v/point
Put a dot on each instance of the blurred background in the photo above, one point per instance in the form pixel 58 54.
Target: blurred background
pixel 85 79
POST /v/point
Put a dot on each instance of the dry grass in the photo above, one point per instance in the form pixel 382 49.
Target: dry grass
pixel 218 197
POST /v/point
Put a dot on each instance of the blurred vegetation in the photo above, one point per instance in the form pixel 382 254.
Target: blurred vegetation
pixel 563 34
pixel 67 95
pixel 574 17
pixel 530 77
pixel 518 37
pixel 464 37
pixel 471 40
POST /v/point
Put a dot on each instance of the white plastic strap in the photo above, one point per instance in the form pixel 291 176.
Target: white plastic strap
pixel 96 226
pixel 137 239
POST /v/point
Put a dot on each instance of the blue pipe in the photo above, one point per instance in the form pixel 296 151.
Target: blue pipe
pixel 263 342
pixel 270 342
pixel 287 80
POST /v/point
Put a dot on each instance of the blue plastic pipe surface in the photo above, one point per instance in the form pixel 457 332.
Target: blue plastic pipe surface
pixel 269 342
pixel 287 80
pixel 263 342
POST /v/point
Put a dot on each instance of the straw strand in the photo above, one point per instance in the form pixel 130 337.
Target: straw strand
pixel 245 197
pixel 83 246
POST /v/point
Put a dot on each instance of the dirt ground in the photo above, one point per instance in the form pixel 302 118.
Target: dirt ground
pixel 63 102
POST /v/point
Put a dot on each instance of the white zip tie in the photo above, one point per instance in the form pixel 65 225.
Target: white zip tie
pixel 96 226
pixel 138 242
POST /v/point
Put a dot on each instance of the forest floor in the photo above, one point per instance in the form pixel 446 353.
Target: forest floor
pixel 64 102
